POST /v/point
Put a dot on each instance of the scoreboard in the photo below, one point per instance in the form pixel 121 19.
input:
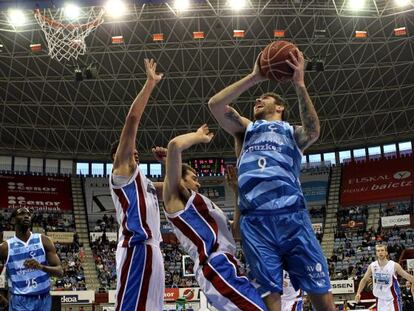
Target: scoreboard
pixel 208 166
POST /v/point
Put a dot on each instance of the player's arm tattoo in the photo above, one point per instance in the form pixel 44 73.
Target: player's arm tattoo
pixel 234 117
pixel 310 129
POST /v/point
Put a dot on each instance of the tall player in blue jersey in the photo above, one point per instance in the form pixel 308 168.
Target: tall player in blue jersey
pixel 275 226
pixel 30 260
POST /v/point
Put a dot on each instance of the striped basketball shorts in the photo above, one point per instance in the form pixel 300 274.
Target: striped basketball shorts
pixel 225 287
pixel 140 278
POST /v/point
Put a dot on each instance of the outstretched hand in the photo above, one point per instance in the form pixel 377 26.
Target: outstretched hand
pixel 203 134
pixel 160 154
pixel 298 66
pixel 256 70
pixel 150 68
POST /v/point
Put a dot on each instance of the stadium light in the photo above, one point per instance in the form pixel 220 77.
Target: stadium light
pixel 181 5
pixel 72 11
pixel 17 17
pixel 356 5
pixel 402 3
pixel 115 8
pixel 237 5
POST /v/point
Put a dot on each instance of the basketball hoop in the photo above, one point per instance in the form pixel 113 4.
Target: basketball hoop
pixel 67 40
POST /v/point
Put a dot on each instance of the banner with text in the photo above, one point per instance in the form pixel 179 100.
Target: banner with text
pixel 398 220
pixel 315 188
pixel 40 193
pixel 61 237
pixel 170 294
pixel 70 297
pixel 343 287
pixel 377 181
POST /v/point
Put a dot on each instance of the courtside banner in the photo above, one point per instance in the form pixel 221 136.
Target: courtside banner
pixel 40 193
pixel 343 287
pixel 170 294
pixel 377 181
pixel 398 220
pixel 73 297
pixel 190 293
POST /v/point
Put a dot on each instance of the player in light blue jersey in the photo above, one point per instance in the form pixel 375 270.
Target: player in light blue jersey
pixel 275 226
pixel 30 260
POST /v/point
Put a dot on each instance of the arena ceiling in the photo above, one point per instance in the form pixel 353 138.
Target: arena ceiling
pixel 364 96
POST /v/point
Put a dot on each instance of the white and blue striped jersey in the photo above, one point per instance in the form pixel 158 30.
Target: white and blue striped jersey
pixel 269 168
pixel 21 280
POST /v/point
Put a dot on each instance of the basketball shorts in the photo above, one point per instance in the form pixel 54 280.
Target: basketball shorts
pixel 274 242
pixel 225 286
pixel 30 303
pixel 140 278
pixel 389 305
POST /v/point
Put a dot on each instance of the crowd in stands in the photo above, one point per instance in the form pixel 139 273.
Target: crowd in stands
pixel 106 224
pixel 396 208
pixel 354 215
pixel 45 222
pixel 104 254
pixel 72 257
pixel 354 247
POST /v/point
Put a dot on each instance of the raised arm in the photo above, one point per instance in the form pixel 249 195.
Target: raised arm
pixel 124 162
pixel 228 118
pixel 160 154
pixel 173 164
pixel 363 283
pixel 309 132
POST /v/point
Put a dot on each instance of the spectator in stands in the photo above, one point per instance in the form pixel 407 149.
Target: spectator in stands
pixel 407 294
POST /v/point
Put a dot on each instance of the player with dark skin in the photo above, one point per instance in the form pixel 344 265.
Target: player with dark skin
pixel 22 221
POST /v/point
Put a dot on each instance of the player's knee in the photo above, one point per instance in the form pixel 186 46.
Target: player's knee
pixel 323 302
pixel 272 298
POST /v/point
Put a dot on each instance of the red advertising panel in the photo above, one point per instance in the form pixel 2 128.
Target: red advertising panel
pixel 171 294
pixel 40 193
pixel 377 181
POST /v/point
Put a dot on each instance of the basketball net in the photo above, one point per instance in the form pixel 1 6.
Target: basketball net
pixel 67 40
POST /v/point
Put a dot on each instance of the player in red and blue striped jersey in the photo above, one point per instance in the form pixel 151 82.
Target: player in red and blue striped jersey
pixel 203 231
pixel 139 262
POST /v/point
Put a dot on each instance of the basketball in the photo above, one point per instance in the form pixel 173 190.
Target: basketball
pixel 272 62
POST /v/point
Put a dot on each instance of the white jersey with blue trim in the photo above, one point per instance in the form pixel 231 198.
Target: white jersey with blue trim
pixel 137 210
pixel 269 168
pixel 202 229
pixel 385 283
pixel 21 280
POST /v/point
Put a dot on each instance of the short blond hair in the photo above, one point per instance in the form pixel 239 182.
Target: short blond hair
pixel 381 245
